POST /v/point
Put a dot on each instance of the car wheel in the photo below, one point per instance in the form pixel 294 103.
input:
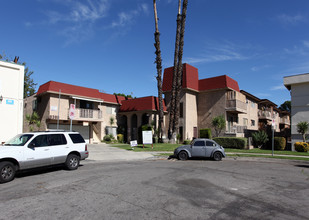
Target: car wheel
pixel 72 162
pixel 183 155
pixel 7 171
pixel 217 156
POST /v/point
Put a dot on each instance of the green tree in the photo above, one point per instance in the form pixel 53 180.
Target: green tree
pixel 218 123
pixel 302 128
pixel 286 106
pixel 259 138
pixel 33 119
pixel 29 85
pixel 111 121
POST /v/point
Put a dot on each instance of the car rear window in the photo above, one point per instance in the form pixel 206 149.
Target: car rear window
pixel 77 138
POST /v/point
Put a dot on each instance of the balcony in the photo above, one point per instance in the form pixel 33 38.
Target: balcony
pixel 285 121
pixel 236 106
pixel 236 129
pixel 87 114
pixel 266 114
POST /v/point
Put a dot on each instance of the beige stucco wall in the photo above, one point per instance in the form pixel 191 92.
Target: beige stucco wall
pixel 252 114
pixel 189 100
pixel 210 105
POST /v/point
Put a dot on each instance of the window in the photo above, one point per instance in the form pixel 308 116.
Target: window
pixel 252 122
pixel 34 105
pixel 39 141
pixel 86 104
pixel 77 138
pixel 245 121
pixel 111 110
pixel 199 143
pixel 252 105
pixel 181 110
pixel 56 139
pixel 210 143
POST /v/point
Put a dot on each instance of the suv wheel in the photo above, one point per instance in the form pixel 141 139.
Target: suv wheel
pixel 72 162
pixel 7 171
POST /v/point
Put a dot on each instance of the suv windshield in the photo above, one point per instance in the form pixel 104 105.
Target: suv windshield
pixel 19 140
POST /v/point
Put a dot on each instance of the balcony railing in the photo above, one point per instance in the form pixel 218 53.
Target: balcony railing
pixel 236 129
pixel 87 114
pixel 266 114
pixel 235 105
pixel 285 121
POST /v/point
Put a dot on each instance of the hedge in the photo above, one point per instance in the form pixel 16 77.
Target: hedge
pixel 279 143
pixel 301 147
pixel 205 133
pixel 232 142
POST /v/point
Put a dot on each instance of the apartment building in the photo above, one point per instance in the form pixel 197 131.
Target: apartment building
pixel 11 99
pixel 299 87
pixel 93 109
pixel 203 99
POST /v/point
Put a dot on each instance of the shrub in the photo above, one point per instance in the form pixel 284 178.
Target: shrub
pixel 120 138
pixel 259 138
pixel 205 133
pixel 279 143
pixel 186 142
pixel 108 138
pixel 146 127
pixel 232 142
pixel 301 147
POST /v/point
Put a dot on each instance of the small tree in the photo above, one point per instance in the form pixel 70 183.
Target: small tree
pixel 33 119
pixel 218 123
pixel 111 121
pixel 302 128
pixel 259 138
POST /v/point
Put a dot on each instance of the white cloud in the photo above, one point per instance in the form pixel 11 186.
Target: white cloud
pixel 125 18
pixel 290 19
pixel 219 53
pixel 258 68
pixel 279 87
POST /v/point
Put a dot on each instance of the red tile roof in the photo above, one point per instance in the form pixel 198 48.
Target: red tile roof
pixel 218 82
pixel 67 89
pixel 141 104
pixel 190 80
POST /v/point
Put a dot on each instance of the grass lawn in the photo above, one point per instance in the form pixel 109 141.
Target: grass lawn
pixel 171 148
pixel 147 147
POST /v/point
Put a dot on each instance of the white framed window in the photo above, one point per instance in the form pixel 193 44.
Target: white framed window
pixel 111 110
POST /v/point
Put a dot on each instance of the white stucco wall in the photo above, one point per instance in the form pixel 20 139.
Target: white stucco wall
pixel 299 85
pixel 11 107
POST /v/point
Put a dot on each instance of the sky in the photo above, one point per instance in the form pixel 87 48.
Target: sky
pixel 108 44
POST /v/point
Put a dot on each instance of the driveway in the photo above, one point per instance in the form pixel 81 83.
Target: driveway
pixel 106 153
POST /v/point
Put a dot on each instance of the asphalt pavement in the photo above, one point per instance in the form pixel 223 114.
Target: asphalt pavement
pixel 106 153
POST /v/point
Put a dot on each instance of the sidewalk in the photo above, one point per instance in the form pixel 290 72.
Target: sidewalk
pixel 106 153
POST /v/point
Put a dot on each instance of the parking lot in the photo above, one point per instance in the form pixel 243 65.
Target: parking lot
pixel 161 189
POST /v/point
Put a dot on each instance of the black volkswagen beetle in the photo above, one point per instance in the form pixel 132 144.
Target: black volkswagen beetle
pixel 200 148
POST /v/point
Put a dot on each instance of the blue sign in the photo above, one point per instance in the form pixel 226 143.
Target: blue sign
pixel 10 102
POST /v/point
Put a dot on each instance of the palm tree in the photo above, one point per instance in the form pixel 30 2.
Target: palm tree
pixel 159 71
pixel 302 128
pixel 179 68
pixel 33 119
pixel 174 83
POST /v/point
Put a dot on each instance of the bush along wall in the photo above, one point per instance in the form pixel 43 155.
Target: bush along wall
pixel 205 133
pixel 232 142
pixel 279 143
pixel 301 147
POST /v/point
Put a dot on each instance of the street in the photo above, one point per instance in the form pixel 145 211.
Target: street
pixel 161 189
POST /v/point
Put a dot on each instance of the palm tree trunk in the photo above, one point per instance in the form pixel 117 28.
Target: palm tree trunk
pixel 159 72
pixel 179 69
pixel 171 133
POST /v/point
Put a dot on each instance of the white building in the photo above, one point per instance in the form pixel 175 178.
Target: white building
pixel 299 87
pixel 11 99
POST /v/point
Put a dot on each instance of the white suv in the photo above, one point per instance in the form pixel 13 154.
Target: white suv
pixel 37 149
